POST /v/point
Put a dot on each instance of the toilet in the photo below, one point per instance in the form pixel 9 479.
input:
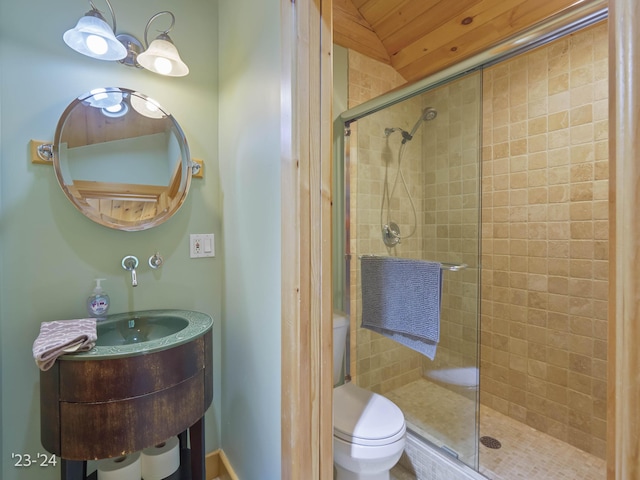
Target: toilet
pixel 368 429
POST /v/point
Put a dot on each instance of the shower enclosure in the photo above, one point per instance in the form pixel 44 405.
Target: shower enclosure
pixel 508 154
pixel 417 195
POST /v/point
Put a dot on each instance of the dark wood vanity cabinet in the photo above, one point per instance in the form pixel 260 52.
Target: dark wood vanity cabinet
pixel 103 408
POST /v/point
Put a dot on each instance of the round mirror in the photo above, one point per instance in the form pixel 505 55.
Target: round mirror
pixel 121 159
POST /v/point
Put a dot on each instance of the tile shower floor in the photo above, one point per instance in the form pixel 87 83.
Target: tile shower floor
pixel 525 453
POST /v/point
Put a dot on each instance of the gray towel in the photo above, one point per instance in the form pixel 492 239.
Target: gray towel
pixel 63 336
pixel 401 300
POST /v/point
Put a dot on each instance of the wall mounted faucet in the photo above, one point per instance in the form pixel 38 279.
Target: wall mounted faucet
pixel 130 263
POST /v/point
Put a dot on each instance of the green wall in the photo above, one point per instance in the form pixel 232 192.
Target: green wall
pixel 250 158
pixel 49 252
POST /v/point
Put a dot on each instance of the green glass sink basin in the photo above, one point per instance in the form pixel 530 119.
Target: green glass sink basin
pixel 138 328
pixel 133 333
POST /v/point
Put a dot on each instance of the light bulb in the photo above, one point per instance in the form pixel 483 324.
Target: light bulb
pixel 163 66
pixel 114 108
pixel 97 44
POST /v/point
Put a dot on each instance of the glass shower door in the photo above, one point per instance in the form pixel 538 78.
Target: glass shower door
pixel 415 193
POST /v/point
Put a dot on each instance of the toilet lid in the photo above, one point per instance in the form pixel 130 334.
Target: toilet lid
pixel 364 417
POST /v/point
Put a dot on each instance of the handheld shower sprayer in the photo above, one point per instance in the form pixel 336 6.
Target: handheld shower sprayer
pixel 428 114
pixel 390 231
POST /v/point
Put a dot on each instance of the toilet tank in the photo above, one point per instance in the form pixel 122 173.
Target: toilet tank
pixel 340 329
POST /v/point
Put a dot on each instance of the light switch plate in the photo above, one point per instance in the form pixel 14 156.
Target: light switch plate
pixel 201 245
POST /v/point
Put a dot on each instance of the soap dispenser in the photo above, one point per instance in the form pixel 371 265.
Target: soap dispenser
pixel 98 302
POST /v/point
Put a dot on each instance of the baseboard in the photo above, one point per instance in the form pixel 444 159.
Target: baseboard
pixel 217 466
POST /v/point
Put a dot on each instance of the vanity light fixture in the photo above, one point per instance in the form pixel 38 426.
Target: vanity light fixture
pixel 94 37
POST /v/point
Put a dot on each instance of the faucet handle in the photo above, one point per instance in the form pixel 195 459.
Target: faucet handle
pixel 156 260
pixel 130 263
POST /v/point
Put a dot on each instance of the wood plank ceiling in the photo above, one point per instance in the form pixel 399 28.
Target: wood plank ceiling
pixel 420 37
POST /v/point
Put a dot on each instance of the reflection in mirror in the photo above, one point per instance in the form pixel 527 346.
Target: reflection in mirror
pixel 121 159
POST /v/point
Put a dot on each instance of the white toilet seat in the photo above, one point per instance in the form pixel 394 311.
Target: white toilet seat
pixel 365 418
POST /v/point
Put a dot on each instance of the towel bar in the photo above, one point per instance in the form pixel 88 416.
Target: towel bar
pixel 451 267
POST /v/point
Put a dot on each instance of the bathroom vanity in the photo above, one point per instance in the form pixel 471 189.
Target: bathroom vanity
pixel 119 399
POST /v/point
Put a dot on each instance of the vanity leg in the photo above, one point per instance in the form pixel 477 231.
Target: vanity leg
pixel 196 436
pixel 185 456
pixel 73 469
pixel 182 440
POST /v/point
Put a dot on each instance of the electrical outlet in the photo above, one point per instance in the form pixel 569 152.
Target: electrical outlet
pixel 195 248
pixel 201 245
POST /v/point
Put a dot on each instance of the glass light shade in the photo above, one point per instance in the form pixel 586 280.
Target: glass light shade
pixel 162 57
pixel 104 98
pixel 146 106
pixel 92 36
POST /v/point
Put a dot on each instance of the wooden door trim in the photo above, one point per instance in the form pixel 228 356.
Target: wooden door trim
pixel 307 387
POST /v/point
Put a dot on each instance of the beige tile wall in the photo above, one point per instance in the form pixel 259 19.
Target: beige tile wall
pixel 378 363
pixel 545 244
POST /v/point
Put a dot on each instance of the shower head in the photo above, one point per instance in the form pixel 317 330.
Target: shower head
pixel 428 114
